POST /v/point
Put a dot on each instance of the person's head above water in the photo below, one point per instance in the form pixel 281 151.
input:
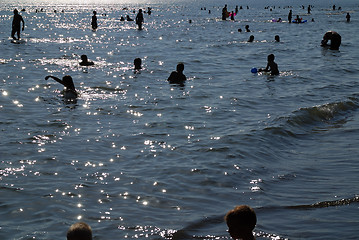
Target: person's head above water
pixel 137 62
pixel 277 39
pixel 79 231
pixel 16 11
pixel 94 12
pixel 270 58
pixel 180 67
pixel 84 58
pixel 241 221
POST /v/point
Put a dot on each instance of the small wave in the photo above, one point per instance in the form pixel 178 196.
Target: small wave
pixel 316 118
pixel 325 204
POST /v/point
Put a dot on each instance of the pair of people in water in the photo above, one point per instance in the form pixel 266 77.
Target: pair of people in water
pixel 241 222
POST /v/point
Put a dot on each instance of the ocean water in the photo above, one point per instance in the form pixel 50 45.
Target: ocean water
pixel 136 157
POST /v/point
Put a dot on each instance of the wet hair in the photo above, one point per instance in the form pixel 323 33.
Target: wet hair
pixel 137 62
pixel 251 38
pixel 79 231
pixel 68 83
pixel 84 57
pixel 277 38
pixel 16 11
pixel 180 67
pixel 242 215
pixel 271 57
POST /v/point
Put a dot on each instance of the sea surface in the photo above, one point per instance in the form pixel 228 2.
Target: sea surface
pixel 138 158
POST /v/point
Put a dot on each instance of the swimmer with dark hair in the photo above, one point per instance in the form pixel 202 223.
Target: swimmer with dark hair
pixel 69 91
pixel 272 67
pixel 247 28
pixel 85 61
pixel 276 38
pixel 251 38
pixel 79 231
pixel 334 38
pixel 241 221
pixel 177 77
pixel 137 62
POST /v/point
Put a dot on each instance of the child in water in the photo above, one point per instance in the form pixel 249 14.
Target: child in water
pixel 272 67
pixel 177 77
pixel 69 91
pixel 241 221
pixel 85 61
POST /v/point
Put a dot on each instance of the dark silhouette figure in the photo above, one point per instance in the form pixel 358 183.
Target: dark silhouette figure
pixel 94 21
pixel 69 91
pixel 85 61
pixel 309 9
pixel 272 67
pixel 241 221
pixel 137 62
pixel 139 19
pixel 276 38
pixel 348 17
pixel 177 77
pixel 251 38
pixel 128 18
pixel 247 28
pixel 16 25
pixel 334 38
pixel 224 12
pixel 290 16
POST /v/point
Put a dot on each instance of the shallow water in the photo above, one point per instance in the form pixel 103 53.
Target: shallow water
pixel 136 157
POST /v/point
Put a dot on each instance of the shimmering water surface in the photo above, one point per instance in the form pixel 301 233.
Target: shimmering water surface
pixel 136 157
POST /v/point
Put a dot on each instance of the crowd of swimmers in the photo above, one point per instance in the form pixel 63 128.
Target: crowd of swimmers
pixel 241 222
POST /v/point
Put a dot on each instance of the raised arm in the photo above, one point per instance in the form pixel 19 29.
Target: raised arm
pixel 55 78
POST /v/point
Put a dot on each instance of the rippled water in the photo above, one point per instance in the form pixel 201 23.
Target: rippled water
pixel 136 157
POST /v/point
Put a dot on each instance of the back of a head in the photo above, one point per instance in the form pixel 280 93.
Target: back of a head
pixel 241 216
pixel 79 231
pixel 271 57
pixel 16 11
pixel 180 67
pixel 84 58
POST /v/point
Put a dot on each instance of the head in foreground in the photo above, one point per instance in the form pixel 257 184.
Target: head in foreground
pixel 241 221
pixel 79 231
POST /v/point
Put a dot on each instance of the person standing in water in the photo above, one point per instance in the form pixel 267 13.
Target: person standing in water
pixel 94 21
pixel 139 19
pixel 272 67
pixel 16 24
pixel 348 17
pixel 290 16
pixel 177 77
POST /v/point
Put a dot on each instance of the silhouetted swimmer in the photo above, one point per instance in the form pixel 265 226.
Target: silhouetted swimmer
pixel 251 38
pixel 290 16
pixel 69 91
pixel 85 61
pixel 149 11
pixel 239 29
pixel 334 38
pixel 177 77
pixel 241 221
pixel 309 9
pixel 137 62
pixel 333 7
pixel 247 28
pixel 94 21
pixel 79 231
pixel 139 19
pixel 276 38
pixel 272 67
pixel 128 18
pixel 348 17
pixel 16 25
pixel 122 19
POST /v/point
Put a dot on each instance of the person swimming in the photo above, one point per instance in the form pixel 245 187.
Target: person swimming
pixel 16 25
pixel 334 38
pixel 177 77
pixel 137 62
pixel 272 67
pixel 79 231
pixel 251 38
pixel 85 61
pixel 247 28
pixel 277 38
pixel 69 91
pixel 241 221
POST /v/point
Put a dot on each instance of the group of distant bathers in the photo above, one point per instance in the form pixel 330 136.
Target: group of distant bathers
pixel 241 222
